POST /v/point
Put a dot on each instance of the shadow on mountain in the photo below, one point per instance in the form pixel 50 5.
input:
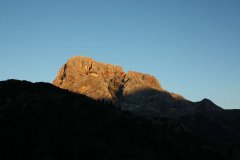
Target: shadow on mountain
pixel 204 118
pixel 41 121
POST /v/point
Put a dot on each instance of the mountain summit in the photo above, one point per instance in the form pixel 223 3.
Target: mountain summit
pixel 98 80
pixel 132 91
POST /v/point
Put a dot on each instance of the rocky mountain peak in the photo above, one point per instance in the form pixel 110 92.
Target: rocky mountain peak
pixel 133 91
pixel 141 81
pixel 100 80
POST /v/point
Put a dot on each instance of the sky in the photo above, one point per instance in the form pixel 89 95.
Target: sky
pixel 191 46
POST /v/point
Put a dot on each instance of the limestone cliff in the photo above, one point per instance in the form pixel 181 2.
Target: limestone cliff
pixel 133 91
pixel 100 80
pixel 86 76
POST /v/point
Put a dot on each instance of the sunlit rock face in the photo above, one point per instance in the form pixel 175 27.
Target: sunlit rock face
pixel 100 80
pixel 86 76
pixel 133 91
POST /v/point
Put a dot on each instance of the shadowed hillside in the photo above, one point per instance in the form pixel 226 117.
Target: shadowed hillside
pixel 41 121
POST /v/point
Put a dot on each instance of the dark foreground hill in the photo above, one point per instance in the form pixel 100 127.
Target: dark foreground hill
pixel 41 121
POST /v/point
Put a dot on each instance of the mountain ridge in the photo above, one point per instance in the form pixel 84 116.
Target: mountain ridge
pixel 100 80
pixel 83 66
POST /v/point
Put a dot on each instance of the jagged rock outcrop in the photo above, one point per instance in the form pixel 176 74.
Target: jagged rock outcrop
pixel 101 81
pixel 133 91
pixel 86 76
pixel 138 81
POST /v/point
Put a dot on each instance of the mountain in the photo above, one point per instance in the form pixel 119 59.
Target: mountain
pixel 41 121
pixel 142 95
pixel 133 91
pixel 96 110
pixel 136 92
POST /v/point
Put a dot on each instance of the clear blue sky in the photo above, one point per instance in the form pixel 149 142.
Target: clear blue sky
pixel 191 46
